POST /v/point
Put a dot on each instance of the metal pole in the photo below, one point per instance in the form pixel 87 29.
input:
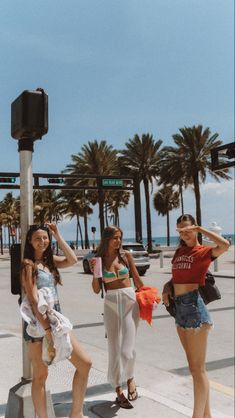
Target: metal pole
pixel 161 259
pixel 26 219
pixel 137 202
pixel 101 204
pixel 216 268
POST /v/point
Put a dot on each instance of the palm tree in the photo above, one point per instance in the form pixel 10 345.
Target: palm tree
pixel 141 157
pixel 172 171
pixel 164 201
pixel 194 146
pixel 47 206
pixel 115 201
pixel 9 216
pixel 97 158
pixel 71 209
pixel 1 226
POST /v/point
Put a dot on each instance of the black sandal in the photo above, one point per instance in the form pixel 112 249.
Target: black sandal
pixel 132 396
pixel 124 403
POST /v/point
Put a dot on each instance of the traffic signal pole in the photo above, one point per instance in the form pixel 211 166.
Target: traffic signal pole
pixel 29 122
pixel 26 218
pixel 137 203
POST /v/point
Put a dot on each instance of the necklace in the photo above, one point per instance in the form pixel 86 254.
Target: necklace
pixel 39 260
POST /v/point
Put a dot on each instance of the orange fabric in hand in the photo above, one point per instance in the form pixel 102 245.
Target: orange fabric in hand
pixel 146 296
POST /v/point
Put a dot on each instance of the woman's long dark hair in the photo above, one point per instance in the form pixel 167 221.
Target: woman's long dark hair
pixel 185 218
pixel 47 255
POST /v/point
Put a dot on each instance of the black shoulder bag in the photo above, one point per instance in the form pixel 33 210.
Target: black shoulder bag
pixel 210 291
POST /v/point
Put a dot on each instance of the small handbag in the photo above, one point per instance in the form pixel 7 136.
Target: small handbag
pixel 209 293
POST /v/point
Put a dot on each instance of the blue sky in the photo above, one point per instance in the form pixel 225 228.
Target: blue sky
pixel 113 68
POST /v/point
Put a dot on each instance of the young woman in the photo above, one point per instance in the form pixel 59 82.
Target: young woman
pixel 189 266
pixel 121 311
pixel 40 269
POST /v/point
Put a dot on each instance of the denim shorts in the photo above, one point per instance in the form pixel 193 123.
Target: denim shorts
pixel 30 339
pixel 191 311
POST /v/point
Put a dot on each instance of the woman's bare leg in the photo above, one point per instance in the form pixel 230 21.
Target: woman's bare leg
pixel 83 364
pixel 40 372
pixel 195 343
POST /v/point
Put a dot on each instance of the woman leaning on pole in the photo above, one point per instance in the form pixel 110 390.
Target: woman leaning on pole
pixel 40 277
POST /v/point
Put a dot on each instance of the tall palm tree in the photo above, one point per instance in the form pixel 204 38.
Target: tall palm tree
pixel 194 145
pixel 165 200
pixel 141 157
pixel 71 209
pixel 172 171
pixel 47 206
pixel 1 228
pixel 97 158
pixel 115 201
pixel 9 216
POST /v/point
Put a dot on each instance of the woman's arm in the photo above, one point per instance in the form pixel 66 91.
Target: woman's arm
pixel 30 288
pixel 69 257
pixel 134 272
pixel 222 244
pixel 96 285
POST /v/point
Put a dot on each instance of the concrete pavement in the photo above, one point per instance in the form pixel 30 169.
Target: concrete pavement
pixel 163 393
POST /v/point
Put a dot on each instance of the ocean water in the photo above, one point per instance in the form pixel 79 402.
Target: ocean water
pixel 162 240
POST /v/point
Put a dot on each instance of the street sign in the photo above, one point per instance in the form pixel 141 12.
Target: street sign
pixel 56 180
pixel 112 182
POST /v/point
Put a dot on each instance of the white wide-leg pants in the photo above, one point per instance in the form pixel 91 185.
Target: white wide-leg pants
pixel 121 319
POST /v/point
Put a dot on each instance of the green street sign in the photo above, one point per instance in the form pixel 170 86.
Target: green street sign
pixel 112 182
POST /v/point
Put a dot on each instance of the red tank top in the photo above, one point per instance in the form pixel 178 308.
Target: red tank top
pixel 190 264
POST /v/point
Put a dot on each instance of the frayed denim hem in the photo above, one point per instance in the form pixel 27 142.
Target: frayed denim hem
pixel 196 329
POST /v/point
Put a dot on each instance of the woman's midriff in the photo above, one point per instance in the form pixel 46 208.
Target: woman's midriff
pixel 180 289
pixel 118 284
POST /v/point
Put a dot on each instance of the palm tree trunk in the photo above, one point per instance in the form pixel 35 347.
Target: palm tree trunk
pixel 87 244
pixel 101 210
pixel 106 214
pixel 1 240
pixel 181 198
pixel 116 217
pixel 148 215
pixel 168 227
pixel 198 202
pixel 9 238
pixel 76 240
pixel 80 230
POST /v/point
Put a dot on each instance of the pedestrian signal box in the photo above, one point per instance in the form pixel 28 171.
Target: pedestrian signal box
pixel 56 180
pixel 29 115
pixel 7 179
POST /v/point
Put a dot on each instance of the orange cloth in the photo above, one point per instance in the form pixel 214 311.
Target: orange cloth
pixel 146 296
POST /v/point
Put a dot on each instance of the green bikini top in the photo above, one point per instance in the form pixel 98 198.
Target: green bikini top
pixel 111 276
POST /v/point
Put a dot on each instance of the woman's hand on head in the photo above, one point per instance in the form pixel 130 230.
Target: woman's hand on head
pixel 53 228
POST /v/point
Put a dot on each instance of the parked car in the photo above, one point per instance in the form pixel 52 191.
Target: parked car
pixel 139 254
